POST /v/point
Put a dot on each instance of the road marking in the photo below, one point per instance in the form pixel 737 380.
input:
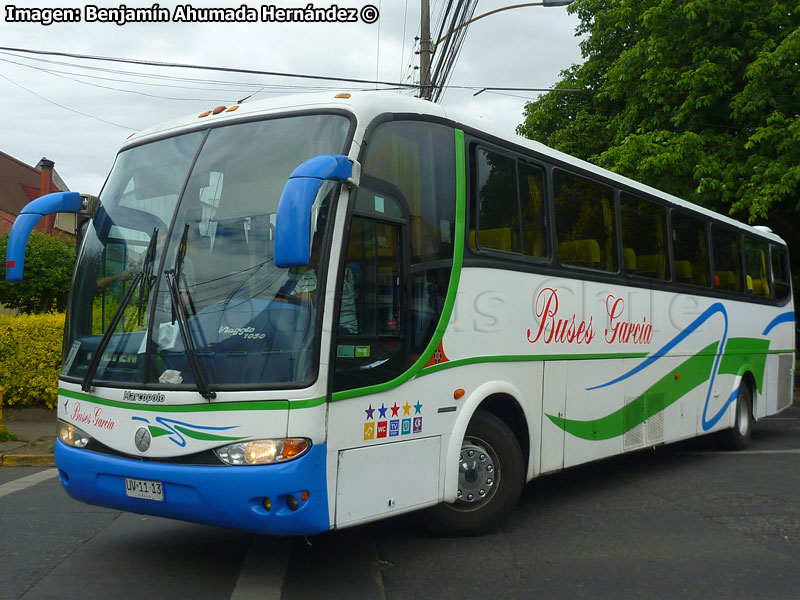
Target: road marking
pixel 26 482
pixel 262 574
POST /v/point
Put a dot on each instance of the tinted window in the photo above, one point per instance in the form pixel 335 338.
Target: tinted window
pixel 585 222
pixel 780 272
pixel 756 262
pixel 498 207
pixel 644 237
pixel 727 259
pixel 690 249
pixel 508 205
pixel 419 159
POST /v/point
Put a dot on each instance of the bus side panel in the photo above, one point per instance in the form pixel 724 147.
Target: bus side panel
pixel 554 403
pixel 597 437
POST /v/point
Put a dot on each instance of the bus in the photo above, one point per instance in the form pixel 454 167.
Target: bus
pixel 316 311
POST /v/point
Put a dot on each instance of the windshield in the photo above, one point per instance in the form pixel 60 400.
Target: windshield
pixel 185 234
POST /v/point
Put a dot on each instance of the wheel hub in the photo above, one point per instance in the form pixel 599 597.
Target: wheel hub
pixel 477 474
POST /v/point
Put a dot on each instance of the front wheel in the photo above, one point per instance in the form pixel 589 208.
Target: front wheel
pixel 738 437
pixel 491 474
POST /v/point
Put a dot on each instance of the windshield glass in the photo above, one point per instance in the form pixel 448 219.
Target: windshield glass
pixel 246 321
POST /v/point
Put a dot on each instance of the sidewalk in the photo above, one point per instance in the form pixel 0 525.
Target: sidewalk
pixel 35 430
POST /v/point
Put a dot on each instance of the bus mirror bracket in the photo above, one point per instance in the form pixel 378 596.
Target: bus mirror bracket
pixel 29 216
pixel 293 222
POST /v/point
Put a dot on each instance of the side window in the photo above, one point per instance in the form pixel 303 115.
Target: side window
pixel 780 272
pixel 644 237
pixel 508 205
pixel 690 249
pixel 498 209
pixel 756 267
pixel 727 259
pixel 585 222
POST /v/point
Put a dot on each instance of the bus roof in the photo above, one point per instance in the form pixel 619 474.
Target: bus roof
pixel 366 105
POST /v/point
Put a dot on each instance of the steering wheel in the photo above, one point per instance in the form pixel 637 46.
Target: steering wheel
pixel 289 298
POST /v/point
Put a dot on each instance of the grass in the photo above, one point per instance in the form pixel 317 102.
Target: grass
pixel 6 436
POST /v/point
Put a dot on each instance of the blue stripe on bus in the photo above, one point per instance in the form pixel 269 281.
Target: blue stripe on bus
pixel 787 317
pixel 224 496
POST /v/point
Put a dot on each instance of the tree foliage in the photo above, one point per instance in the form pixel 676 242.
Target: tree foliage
pixel 48 271
pixel 699 98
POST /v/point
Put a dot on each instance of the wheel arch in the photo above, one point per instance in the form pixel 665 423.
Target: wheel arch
pixel 499 398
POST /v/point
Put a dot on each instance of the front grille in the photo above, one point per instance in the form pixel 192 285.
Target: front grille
pixel 207 457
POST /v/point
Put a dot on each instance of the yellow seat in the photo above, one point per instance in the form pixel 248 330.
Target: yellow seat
pixel 683 270
pixel 492 239
pixel 585 253
pixel 725 280
pixel 629 256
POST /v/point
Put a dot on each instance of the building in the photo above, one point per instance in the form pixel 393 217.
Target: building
pixel 21 183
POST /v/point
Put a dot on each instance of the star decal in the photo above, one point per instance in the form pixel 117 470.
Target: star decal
pixel 395 409
pixel 382 410
pixel 370 412
pixel 417 408
pixel 406 409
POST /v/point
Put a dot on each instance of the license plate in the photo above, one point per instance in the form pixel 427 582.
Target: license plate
pixel 147 490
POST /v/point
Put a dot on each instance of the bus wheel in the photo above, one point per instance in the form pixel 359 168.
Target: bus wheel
pixel 738 437
pixel 491 474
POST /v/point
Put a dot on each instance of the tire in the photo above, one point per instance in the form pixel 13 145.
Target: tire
pixel 491 476
pixel 738 437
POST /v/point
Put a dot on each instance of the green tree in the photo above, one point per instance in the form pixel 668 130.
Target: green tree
pixel 698 98
pixel 48 271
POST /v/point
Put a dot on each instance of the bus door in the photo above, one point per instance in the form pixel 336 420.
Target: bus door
pixel 372 332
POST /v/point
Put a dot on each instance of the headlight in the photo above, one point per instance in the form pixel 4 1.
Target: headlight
pixel 72 436
pixel 262 452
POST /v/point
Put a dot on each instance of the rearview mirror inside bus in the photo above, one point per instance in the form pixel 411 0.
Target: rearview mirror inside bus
pixel 293 226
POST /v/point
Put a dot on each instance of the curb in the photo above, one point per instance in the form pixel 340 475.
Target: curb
pixel 27 460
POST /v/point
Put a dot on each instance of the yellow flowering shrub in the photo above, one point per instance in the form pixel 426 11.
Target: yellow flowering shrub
pixel 30 359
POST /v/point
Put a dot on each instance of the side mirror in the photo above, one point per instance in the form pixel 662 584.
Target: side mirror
pixel 293 221
pixel 28 218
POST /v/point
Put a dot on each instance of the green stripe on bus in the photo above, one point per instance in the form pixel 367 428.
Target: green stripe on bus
pixel 666 391
pixel 207 437
pixel 745 354
pixel 206 407
pixel 526 358
pixel 452 288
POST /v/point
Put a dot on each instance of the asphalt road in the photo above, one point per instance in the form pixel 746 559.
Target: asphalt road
pixel 684 521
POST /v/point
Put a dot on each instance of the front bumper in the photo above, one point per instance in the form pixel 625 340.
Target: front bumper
pixel 225 496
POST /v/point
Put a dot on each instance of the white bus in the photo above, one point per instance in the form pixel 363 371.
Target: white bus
pixel 316 311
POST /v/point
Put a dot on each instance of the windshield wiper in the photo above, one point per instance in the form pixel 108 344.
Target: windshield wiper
pixel 179 310
pixel 86 384
pixel 91 371
pixel 147 270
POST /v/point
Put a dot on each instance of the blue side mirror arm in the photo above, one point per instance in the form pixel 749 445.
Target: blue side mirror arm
pixel 293 224
pixel 28 218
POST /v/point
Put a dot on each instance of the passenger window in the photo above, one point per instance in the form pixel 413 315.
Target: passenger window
pixel 585 222
pixel 755 262
pixel 498 208
pixel 508 205
pixel 780 272
pixel 727 259
pixel 531 203
pixel 644 237
pixel 690 249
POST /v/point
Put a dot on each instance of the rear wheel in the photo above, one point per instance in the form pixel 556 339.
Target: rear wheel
pixel 491 474
pixel 738 437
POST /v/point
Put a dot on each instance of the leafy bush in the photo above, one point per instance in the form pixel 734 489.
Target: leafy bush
pixel 49 263
pixel 30 359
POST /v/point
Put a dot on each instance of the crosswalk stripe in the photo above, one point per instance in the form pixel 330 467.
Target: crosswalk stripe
pixel 261 576
pixel 26 482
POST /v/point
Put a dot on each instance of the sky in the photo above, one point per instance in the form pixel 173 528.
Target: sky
pixel 79 117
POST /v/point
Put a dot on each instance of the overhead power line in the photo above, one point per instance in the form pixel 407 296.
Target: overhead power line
pixel 154 63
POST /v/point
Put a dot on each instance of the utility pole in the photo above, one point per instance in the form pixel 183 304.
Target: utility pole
pixel 425 51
